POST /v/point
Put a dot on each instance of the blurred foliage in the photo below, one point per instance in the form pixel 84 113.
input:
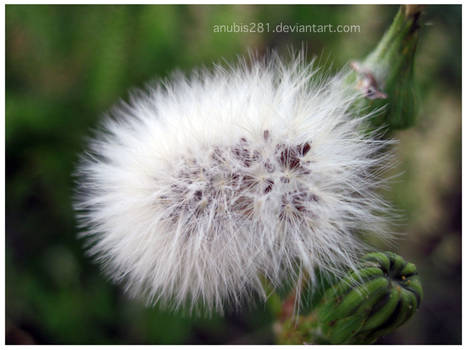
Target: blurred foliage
pixel 65 65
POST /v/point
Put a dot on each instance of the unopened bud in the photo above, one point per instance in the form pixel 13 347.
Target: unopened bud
pixel 370 302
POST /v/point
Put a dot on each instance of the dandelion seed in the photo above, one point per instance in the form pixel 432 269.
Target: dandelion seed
pixel 198 188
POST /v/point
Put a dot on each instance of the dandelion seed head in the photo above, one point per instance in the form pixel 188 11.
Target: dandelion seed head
pixel 201 186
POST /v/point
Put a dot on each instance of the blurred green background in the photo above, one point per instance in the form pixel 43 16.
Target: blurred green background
pixel 66 65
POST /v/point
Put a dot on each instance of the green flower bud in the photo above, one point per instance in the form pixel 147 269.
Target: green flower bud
pixel 381 295
pixel 386 75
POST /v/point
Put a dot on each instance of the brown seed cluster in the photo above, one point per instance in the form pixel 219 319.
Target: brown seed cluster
pixel 232 184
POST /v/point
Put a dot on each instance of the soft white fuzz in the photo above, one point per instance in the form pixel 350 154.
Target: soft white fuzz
pixel 200 187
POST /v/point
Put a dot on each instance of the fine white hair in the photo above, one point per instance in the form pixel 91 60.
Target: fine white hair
pixel 201 188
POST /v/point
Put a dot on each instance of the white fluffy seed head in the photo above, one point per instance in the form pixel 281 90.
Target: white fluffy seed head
pixel 201 187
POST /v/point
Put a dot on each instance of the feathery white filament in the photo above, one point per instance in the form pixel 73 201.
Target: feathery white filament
pixel 200 186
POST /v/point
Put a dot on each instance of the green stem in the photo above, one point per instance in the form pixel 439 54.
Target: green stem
pixel 385 76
